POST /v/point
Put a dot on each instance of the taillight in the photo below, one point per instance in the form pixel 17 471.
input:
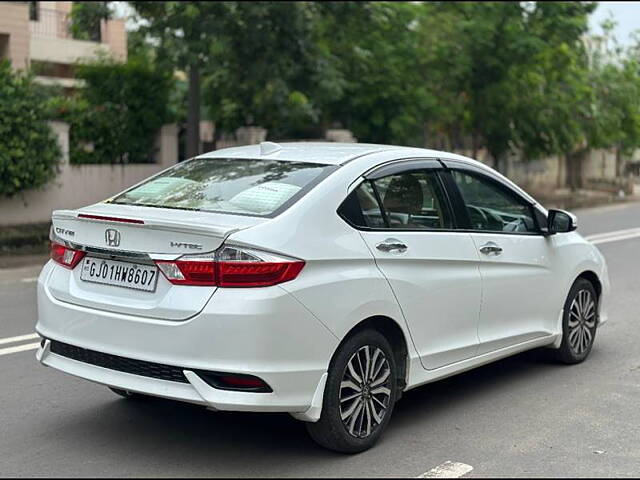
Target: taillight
pixel 65 256
pixel 231 267
pixel 189 270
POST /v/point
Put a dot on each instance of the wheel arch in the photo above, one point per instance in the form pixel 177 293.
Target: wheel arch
pixel 393 332
pixel 592 278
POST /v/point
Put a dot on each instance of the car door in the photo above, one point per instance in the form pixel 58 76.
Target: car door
pixel 516 259
pixel 405 219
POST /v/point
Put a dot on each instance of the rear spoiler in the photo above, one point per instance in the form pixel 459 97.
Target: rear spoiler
pixel 153 223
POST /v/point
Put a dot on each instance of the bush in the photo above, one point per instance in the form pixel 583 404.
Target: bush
pixel 29 151
pixel 116 116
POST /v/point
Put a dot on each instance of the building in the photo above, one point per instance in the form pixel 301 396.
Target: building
pixel 38 35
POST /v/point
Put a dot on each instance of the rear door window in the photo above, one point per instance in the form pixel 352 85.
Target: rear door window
pixel 236 186
pixel 411 200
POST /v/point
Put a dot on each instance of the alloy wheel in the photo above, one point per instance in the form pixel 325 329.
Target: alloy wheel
pixel 582 321
pixel 365 391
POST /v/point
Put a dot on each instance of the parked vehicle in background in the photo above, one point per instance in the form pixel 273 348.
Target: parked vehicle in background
pixel 317 279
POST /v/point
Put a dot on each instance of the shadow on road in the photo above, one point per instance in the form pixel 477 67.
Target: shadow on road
pixel 160 431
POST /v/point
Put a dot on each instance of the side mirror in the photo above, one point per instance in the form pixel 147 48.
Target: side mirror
pixel 560 221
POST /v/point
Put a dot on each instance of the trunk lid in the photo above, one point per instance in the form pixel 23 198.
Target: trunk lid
pixel 161 231
pixel 130 234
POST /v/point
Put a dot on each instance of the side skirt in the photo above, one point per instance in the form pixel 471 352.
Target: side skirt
pixel 420 377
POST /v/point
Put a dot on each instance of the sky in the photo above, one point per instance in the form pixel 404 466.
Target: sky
pixel 626 14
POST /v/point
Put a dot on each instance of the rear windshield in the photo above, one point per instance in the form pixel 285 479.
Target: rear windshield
pixel 226 185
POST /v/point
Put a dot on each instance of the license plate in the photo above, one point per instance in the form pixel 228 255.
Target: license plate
pixel 119 274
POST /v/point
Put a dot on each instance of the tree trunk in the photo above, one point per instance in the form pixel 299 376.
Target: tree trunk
pixel 561 178
pixel 193 112
pixel 498 163
pixel 619 163
pixel 574 169
pixel 474 145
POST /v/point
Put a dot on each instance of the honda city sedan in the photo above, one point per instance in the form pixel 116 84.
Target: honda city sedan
pixel 318 279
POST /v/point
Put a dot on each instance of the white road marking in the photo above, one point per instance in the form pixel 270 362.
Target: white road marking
pixel 19 338
pixel 448 469
pixel 614 232
pixel 19 348
pixel 614 236
pixel 29 280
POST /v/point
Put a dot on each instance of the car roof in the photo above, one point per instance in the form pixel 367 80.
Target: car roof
pixel 331 153
pixel 335 153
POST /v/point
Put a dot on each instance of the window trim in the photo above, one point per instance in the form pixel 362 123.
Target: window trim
pixel 396 168
pixel 452 164
pixel 399 166
pixel 461 208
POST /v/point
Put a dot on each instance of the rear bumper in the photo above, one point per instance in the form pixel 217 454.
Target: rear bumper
pixel 263 332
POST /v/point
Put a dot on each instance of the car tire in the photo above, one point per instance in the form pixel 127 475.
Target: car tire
pixel 127 394
pixel 356 408
pixel 579 323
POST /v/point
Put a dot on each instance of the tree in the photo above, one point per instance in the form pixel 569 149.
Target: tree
pixel 268 68
pixel 581 98
pixel 375 52
pixel 29 151
pixel 615 79
pixel 490 59
pixel 187 33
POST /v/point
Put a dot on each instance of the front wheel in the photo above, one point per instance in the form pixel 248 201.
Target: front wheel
pixel 359 396
pixel 579 323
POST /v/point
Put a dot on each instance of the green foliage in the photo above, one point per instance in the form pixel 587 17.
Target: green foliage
pixel 85 19
pixel 259 59
pixel 115 117
pixel 29 151
pixel 374 49
pixel 507 76
pixel 614 81
pixel 185 30
pixel 267 69
pixel 500 57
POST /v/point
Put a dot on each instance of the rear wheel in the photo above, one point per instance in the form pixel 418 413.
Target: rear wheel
pixel 579 323
pixel 359 396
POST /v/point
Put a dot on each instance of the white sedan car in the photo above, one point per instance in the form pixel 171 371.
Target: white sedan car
pixel 318 279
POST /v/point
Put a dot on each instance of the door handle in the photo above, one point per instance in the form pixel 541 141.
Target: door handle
pixel 391 245
pixel 491 248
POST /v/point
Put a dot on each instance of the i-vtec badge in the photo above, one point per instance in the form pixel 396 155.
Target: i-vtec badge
pixel 192 246
pixel 112 237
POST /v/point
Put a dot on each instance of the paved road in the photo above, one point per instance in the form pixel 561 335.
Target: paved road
pixel 523 416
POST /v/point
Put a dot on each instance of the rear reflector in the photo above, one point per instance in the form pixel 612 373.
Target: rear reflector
pixel 251 269
pixel 65 256
pixel 110 219
pixel 232 381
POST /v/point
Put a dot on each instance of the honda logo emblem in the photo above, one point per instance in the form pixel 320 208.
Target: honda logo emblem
pixel 112 237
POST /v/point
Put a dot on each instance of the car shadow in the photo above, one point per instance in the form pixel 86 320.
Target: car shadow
pixel 218 443
pixel 446 394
